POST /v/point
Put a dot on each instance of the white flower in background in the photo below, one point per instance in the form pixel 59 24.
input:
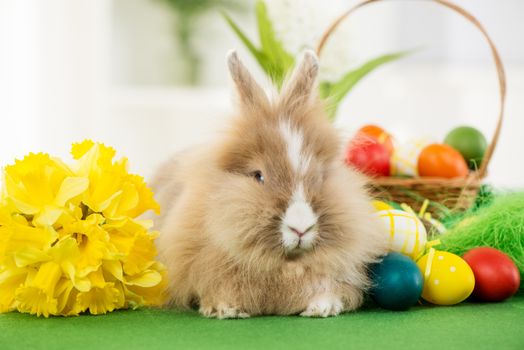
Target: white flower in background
pixel 300 24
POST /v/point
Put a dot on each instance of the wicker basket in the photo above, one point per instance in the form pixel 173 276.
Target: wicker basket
pixel 443 194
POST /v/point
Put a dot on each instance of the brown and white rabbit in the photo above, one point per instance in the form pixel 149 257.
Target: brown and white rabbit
pixel 268 220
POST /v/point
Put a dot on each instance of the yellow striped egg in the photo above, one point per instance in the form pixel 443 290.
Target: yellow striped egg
pixel 407 234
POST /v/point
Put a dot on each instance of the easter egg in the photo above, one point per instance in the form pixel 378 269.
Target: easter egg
pixel 378 134
pixel 407 234
pixel 397 282
pixel 441 161
pixel 470 142
pixel 404 161
pixel 448 279
pixel 369 157
pixel 496 275
pixel 380 205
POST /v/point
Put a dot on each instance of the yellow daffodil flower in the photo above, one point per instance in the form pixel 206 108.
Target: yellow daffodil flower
pixel 40 186
pixel 70 240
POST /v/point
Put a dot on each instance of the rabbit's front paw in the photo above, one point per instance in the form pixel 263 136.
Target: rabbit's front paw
pixel 323 306
pixel 222 311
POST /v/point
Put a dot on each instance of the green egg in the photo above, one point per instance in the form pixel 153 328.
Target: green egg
pixel 470 142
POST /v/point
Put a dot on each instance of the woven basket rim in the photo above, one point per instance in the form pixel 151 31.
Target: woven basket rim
pixel 473 180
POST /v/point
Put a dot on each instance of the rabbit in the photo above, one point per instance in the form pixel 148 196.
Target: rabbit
pixel 268 220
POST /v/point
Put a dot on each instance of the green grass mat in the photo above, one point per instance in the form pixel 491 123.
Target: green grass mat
pixel 465 326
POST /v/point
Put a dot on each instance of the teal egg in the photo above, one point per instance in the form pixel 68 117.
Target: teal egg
pixel 397 282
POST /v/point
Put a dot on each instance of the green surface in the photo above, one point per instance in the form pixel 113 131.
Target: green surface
pixel 465 326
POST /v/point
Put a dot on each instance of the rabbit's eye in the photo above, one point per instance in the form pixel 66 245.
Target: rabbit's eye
pixel 258 176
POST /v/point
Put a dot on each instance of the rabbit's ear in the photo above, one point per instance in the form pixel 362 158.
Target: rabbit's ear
pixel 299 88
pixel 250 93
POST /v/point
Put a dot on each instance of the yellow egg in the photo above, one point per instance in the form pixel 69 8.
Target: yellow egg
pixel 380 205
pixel 407 234
pixel 405 157
pixel 448 279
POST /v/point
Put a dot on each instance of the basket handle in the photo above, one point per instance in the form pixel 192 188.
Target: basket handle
pixel 498 63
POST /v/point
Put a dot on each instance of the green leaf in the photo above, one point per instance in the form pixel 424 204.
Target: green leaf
pixel 335 92
pixel 261 58
pixel 280 60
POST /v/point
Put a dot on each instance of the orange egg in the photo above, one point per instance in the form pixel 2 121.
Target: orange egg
pixel 378 134
pixel 438 160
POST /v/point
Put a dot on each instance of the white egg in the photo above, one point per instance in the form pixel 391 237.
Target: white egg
pixel 405 157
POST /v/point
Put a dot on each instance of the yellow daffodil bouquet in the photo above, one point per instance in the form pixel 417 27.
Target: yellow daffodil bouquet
pixel 70 240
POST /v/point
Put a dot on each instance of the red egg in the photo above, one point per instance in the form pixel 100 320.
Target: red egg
pixel 368 156
pixel 496 275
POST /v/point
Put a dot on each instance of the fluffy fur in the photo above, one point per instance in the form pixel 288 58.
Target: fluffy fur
pixel 298 242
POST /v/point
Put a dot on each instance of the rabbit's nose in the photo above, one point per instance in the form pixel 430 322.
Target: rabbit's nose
pixel 297 232
pixel 301 233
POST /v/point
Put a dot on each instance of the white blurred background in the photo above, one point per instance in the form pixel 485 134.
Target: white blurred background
pixel 111 70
